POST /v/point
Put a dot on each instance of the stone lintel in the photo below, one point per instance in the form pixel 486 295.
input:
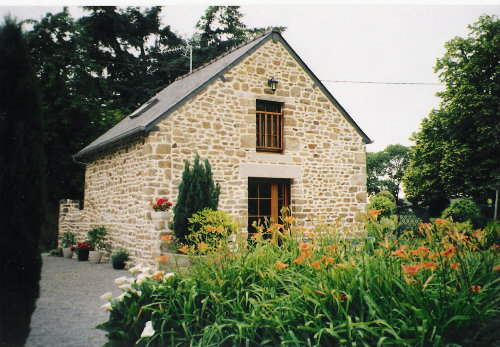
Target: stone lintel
pixel 270 171
pixel 271 157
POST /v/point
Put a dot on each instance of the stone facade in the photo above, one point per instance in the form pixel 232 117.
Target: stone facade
pixel 324 155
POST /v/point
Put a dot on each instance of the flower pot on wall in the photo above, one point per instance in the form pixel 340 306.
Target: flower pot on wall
pixel 161 216
pixel 67 253
pixel 83 255
pixel 161 219
pixel 95 256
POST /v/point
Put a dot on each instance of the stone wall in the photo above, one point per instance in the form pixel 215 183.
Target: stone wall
pixel 324 156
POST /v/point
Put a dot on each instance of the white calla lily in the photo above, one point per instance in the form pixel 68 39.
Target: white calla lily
pixel 148 330
pixel 120 280
pixel 107 296
pixel 107 307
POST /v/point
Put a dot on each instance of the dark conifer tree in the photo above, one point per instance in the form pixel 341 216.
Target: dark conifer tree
pixel 197 191
pixel 22 182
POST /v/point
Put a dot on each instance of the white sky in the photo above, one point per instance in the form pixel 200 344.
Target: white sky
pixel 364 42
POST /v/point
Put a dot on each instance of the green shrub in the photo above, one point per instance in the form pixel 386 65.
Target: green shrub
pixel 120 255
pixel 329 292
pixel 67 239
pixel 382 202
pixel 463 210
pixel 197 191
pixel 97 236
pixel 210 229
pixel 387 194
pixel 56 252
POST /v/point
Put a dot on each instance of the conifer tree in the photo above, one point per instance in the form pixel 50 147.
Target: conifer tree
pixel 22 183
pixel 197 191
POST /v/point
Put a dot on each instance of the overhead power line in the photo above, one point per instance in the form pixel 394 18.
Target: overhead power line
pixel 379 82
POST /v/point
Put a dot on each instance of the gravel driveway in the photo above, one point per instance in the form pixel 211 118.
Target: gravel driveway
pixel 69 306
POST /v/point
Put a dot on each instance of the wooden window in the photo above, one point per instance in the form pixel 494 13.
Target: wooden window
pixel 266 198
pixel 269 126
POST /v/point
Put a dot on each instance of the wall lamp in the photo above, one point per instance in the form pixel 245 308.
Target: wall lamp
pixel 272 83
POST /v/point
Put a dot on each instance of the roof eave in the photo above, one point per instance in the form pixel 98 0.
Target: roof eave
pixel 89 150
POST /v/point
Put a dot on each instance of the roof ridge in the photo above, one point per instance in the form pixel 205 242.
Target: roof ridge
pixel 211 61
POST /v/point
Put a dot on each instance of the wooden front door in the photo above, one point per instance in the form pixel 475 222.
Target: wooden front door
pixel 266 198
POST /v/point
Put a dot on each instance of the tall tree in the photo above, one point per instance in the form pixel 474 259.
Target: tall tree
pixel 197 191
pixel 385 169
pixel 220 30
pixel 72 104
pixel 457 150
pixel 132 49
pixel 22 186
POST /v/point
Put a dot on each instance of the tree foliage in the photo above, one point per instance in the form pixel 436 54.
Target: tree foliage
pixel 220 30
pixel 456 151
pixel 22 186
pixel 197 191
pixel 385 169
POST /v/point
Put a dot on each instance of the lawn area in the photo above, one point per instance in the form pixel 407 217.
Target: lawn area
pixel 437 286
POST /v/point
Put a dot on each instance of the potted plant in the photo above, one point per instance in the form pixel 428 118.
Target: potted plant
pixel 119 257
pixel 67 240
pixel 161 210
pixel 82 250
pixel 96 237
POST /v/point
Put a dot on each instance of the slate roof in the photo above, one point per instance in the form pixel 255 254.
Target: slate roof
pixel 145 118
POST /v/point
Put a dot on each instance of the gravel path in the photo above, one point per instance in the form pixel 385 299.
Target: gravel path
pixel 69 306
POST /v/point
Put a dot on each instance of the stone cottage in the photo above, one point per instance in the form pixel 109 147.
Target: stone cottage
pixel 273 134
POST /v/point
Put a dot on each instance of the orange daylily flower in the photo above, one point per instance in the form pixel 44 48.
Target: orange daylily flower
pixel 202 246
pixel 327 260
pixel 430 265
pixel 307 254
pixel 162 259
pixel 184 249
pixel 255 236
pixel 280 265
pixel 331 248
pixel 449 252
pixel 289 219
pixel 374 213
pixel 475 289
pixel 496 268
pixel 422 251
pixel 213 229
pixel 166 238
pixel 300 259
pixel 316 264
pixel 400 252
pixel 455 266
pixel 440 221
pixel 304 246
pixel 157 275
pixel 411 269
